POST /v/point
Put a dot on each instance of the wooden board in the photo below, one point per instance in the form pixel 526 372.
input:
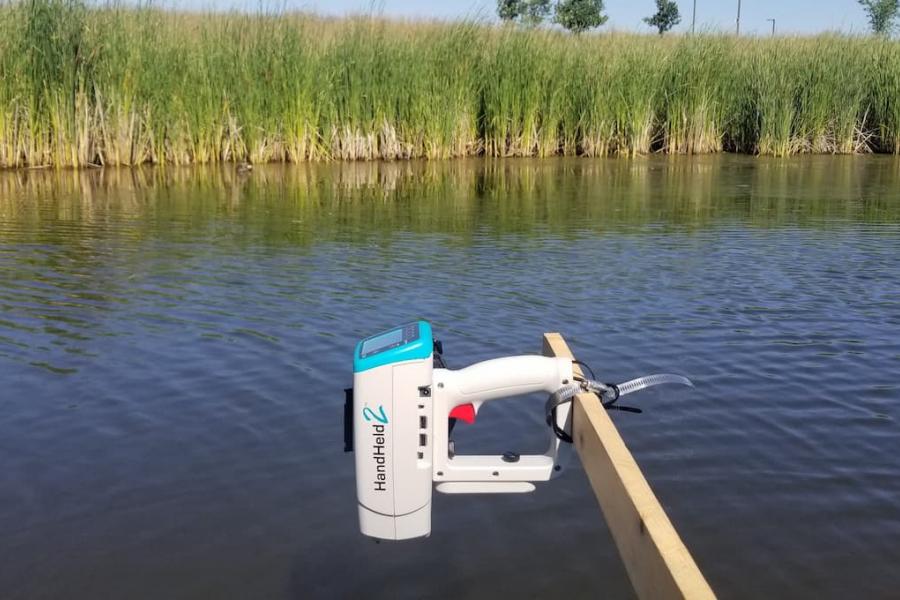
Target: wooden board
pixel 658 563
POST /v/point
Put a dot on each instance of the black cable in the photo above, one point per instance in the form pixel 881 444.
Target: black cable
pixel 608 404
pixel 615 388
pixel 558 431
pixel 580 363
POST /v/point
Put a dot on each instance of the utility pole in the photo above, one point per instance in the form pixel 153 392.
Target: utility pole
pixel 739 18
pixel 773 26
pixel 694 18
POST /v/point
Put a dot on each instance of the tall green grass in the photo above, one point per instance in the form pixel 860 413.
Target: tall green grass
pixel 86 86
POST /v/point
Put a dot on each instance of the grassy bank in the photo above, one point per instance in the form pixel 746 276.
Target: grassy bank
pixel 112 86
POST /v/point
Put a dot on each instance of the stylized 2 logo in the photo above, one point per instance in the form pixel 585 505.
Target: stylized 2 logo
pixel 371 415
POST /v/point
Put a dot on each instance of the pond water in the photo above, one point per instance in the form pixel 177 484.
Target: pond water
pixel 174 344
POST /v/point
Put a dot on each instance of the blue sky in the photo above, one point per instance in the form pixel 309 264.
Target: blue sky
pixel 806 16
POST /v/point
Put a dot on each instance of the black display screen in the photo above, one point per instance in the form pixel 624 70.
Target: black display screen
pixel 389 339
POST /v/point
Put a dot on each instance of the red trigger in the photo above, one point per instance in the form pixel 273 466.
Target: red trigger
pixel 464 412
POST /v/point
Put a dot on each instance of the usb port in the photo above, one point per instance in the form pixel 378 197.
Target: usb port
pixel 423 439
pixel 423 422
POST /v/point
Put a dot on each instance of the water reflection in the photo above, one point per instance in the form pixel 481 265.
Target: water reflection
pixel 298 204
pixel 76 242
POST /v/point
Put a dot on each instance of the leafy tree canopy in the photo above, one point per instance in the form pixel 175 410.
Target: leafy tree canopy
pixel 666 17
pixel 529 12
pixel 580 15
pixel 882 14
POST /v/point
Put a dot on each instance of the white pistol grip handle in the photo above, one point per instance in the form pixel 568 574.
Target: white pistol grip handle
pixel 503 377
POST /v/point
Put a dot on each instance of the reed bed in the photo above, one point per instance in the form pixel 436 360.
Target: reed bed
pixel 119 85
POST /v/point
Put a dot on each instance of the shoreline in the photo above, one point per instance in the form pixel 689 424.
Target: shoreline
pixel 465 162
pixel 373 172
pixel 238 164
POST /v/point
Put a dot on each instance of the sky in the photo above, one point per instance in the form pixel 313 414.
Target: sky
pixel 791 16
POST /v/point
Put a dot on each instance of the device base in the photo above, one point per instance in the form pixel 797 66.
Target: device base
pixel 404 527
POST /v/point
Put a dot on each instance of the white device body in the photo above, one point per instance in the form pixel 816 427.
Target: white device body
pixel 393 449
pixel 401 437
pixel 480 383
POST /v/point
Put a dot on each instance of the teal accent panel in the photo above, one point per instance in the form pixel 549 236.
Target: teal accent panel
pixel 418 349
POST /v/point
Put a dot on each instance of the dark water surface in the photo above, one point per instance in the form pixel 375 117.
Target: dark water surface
pixel 173 345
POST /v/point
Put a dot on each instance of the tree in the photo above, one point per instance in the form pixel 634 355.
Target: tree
pixel 882 14
pixel 529 12
pixel 580 15
pixel 666 17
